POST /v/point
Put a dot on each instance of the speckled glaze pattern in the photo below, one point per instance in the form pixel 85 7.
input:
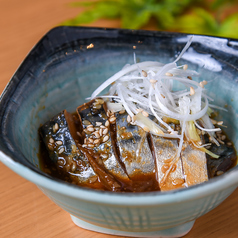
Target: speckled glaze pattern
pixel 64 68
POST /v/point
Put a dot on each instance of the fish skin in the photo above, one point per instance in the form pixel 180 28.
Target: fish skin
pixel 134 148
pixel 84 171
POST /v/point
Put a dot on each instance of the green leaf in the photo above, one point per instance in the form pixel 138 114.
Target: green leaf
pixel 229 26
pixel 101 10
pixel 210 23
pixel 109 10
pixel 165 19
pixel 190 16
pixel 190 23
pixel 135 20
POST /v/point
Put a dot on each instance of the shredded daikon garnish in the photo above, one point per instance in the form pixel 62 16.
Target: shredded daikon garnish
pixel 149 86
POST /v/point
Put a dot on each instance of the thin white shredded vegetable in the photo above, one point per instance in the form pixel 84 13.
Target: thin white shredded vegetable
pixel 149 86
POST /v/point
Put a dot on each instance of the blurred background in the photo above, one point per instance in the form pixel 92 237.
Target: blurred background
pixel 210 17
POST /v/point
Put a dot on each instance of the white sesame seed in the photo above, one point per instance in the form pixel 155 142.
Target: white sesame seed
pixel 201 84
pixel 146 114
pixel 104 156
pixel 122 111
pixel 99 100
pixel 97 106
pixel 51 140
pixel 100 131
pixel 78 133
pixel 55 127
pixel 168 74
pixel 107 123
pixel 105 131
pixel 192 91
pixel 103 127
pixel 97 141
pixel 59 142
pixel 96 134
pixel 185 67
pixel 223 137
pixel 61 150
pixel 146 129
pixel 105 138
pixel 90 140
pixel 91 129
pixel 220 123
pixel 86 122
pixel 85 141
pixel 219 173
pixel 204 82
pixel 112 119
pixel 89 126
pixel 73 167
pixel 98 123
pixel 144 73
pixel 90 145
pixel 153 81
pixel 128 119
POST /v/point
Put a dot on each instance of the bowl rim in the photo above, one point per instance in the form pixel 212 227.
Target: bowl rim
pixel 227 180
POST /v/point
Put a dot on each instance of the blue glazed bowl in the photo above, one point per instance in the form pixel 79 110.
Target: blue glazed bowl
pixel 62 70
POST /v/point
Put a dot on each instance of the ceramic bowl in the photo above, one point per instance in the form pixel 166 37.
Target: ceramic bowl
pixel 62 70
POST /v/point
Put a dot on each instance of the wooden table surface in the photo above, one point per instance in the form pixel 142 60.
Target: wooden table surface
pixel 24 210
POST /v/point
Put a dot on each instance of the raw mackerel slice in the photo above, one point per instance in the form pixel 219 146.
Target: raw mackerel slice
pixel 194 165
pixel 169 168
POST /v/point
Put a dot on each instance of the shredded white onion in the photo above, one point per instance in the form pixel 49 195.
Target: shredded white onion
pixel 148 86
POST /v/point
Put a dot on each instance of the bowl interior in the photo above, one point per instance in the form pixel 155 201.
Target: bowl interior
pixel 60 74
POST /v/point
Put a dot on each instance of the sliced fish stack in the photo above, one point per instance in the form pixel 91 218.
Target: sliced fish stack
pixel 101 149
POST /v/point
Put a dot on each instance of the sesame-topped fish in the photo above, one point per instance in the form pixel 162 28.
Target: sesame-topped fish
pixel 59 135
pixel 98 129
